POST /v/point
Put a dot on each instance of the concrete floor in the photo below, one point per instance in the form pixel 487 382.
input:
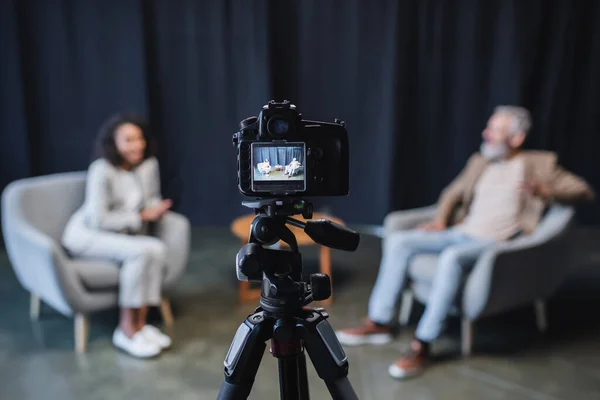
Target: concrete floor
pixel 512 360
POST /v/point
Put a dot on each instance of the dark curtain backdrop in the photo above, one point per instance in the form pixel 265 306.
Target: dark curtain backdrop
pixel 278 155
pixel 414 80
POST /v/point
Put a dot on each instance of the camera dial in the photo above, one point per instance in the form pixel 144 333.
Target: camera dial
pixel 247 122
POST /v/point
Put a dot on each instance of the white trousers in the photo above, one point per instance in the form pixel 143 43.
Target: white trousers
pixel 142 260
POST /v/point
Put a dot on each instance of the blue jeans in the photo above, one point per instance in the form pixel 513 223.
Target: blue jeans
pixel 458 253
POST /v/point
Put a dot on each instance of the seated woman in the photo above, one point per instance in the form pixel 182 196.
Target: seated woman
pixel 264 167
pixel 122 197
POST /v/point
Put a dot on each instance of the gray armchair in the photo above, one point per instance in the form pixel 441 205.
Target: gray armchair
pixel 526 270
pixel 297 170
pixel 34 214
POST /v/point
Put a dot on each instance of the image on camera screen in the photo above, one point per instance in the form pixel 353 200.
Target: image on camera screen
pixel 277 162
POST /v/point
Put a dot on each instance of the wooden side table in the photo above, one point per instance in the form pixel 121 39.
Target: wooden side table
pixel 241 229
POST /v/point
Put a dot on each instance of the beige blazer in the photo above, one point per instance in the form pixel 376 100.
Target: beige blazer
pixel 540 166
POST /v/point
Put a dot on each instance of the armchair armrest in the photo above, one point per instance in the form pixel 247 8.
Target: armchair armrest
pixel 174 229
pixel 407 219
pixel 41 265
pixel 517 272
pixel 38 261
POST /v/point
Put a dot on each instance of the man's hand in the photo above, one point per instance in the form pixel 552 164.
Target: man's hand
pixel 539 189
pixel 154 213
pixel 434 225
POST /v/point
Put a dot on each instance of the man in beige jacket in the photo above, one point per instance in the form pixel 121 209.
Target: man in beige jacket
pixel 501 193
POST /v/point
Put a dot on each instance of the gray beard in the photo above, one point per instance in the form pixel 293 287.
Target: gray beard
pixel 494 152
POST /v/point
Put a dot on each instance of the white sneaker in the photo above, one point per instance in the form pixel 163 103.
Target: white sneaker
pixel 137 346
pixel 153 335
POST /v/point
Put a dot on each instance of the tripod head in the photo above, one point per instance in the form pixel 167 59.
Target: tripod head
pixel 280 271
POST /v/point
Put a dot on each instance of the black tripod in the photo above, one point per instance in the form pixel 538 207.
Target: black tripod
pixel 282 317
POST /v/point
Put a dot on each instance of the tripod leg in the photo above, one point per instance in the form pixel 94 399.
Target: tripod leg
pixel 302 377
pixel 244 357
pixel 293 381
pixel 289 378
pixel 326 354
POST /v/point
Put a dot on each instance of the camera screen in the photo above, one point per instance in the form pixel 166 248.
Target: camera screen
pixel 278 167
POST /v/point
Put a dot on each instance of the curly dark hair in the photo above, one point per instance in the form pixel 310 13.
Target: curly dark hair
pixel 105 141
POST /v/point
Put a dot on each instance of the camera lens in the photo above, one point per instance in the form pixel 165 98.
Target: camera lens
pixel 277 125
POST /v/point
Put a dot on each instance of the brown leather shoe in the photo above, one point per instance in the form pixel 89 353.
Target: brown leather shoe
pixel 411 364
pixel 367 333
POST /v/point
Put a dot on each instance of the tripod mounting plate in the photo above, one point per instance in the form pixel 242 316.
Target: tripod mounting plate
pixel 284 207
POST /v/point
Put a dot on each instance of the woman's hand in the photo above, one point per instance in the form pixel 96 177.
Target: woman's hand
pixel 154 213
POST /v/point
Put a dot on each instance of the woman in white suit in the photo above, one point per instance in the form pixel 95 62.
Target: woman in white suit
pixel 122 197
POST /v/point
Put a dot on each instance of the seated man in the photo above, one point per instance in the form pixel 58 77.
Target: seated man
pixel 264 167
pixel 502 191
pixel 291 168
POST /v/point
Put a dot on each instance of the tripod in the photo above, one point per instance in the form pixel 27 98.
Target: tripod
pixel 281 316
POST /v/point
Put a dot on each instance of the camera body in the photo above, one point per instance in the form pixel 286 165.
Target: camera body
pixel 280 154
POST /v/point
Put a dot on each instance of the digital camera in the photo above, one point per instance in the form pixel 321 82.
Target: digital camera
pixel 280 154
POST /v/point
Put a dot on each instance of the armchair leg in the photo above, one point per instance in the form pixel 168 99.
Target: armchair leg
pixel 540 315
pixel 165 311
pixel 34 307
pixel 82 327
pixel 467 337
pixel 406 307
